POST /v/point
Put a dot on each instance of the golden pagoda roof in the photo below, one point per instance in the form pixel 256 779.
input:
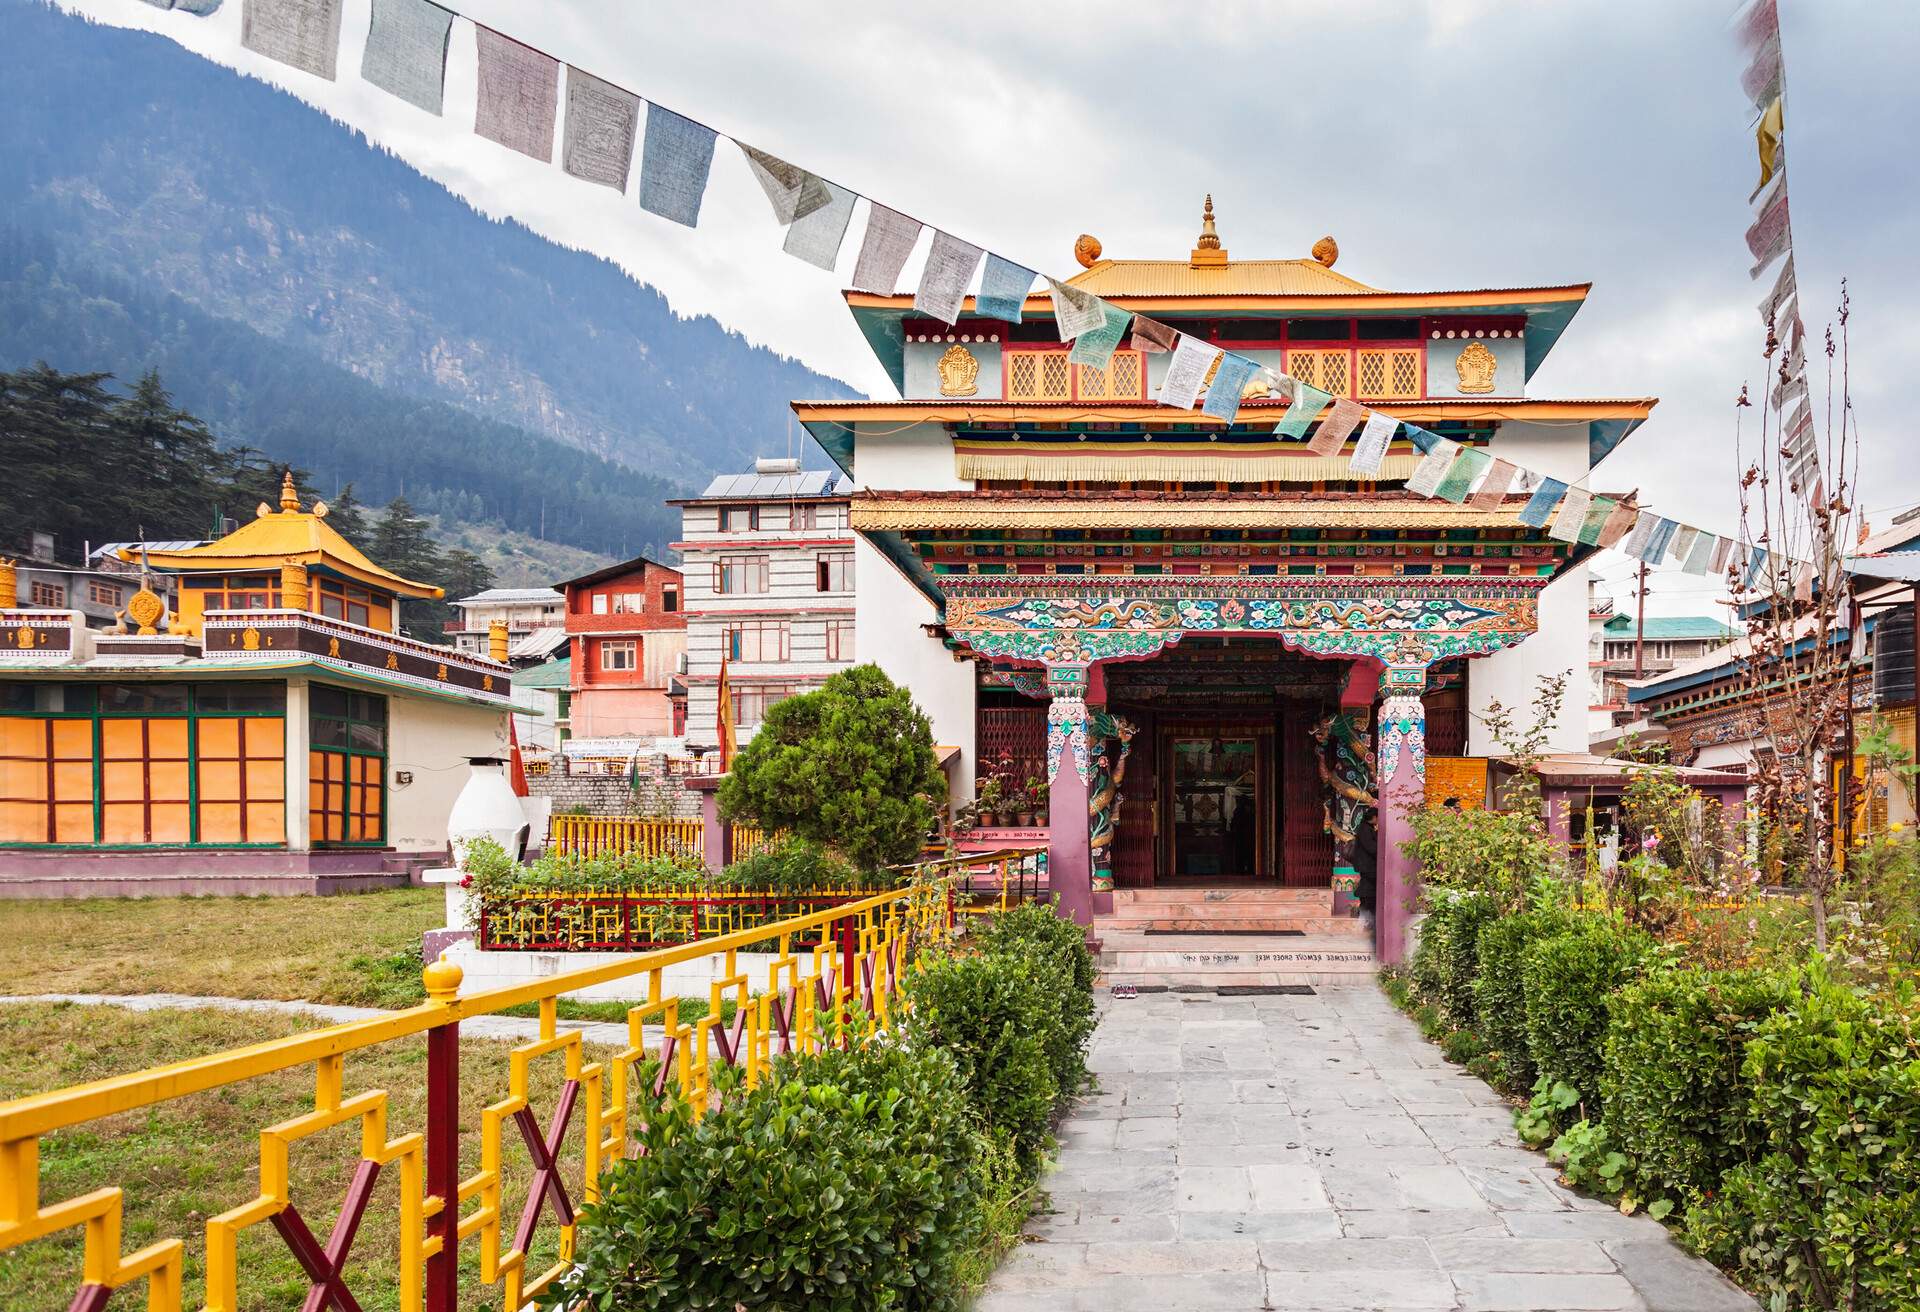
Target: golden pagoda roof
pixel 288 535
pixel 1127 278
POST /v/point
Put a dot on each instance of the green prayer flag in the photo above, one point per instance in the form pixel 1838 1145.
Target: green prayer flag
pixel 1596 520
pixel 1305 407
pixel 1095 348
pixel 1462 474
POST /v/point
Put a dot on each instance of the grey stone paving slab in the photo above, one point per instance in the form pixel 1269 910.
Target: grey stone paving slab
pixel 1315 1153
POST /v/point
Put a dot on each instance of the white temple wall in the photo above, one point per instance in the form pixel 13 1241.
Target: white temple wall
pixel 1559 645
pixel 889 610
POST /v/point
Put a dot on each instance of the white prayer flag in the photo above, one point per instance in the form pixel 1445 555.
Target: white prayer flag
pixel 1636 542
pixel 1187 372
pixel 1700 555
pixel 1371 450
pixel 884 250
pixel 1785 289
pixel 1076 312
pixel 1433 467
pixel 302 33
pixel 1573 514
pixel 1682 545
pixel 944 280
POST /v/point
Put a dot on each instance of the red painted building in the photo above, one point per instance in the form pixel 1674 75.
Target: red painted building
pixel 627 633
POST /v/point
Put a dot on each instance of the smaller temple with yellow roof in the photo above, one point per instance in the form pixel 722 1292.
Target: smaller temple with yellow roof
pixel 183 747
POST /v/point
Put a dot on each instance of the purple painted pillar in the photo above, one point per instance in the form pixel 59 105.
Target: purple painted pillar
pixel 716 835
pixel 1069 770
pixel 1402 778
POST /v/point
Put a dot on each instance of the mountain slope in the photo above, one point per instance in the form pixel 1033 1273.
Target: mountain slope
pixel 288 402
pixel 140 158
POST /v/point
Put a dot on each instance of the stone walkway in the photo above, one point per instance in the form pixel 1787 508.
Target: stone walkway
pixel 1315 1153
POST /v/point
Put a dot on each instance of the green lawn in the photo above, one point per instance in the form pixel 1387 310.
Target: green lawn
pixel 184 1161
pixel 361 949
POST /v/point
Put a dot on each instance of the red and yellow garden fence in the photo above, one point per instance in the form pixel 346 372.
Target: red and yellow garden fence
pixel 851 972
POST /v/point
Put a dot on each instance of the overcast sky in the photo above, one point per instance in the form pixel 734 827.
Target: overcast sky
pixel 1468 143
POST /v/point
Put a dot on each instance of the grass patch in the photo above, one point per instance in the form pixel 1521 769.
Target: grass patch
pixel 359 949
pixel 184 1161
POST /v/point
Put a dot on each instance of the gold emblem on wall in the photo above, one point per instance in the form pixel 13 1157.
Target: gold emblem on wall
pixel 486 683
pixel 333 648
pixel 959 372
pixel 250 638
pixel 442 673
pixel 393 661
pixel 146 609
pixel 1476 367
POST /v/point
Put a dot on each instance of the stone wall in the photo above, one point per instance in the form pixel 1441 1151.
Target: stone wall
pixel 574 789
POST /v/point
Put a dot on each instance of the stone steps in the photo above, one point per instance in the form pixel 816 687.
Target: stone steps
pixel 1213 960
pixel 1201 924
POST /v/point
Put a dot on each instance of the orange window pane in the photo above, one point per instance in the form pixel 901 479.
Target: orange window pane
pixel 219 738
pixel 73 740
pixel 23 822
pixel 220 781
pixel 73 782
pixel 19 737
pixel 219 822
pixel 23 781
pixel 123 822
pixel 266 779
pixel 122 740
pixel 123 781
pixel 266 822
pixel 266 738
pixel 73 823
pixel 167 738
pixel 167 781
pixel 170 823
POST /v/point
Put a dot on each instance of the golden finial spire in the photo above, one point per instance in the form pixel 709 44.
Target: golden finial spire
pixel 289 494
pixel 1207 252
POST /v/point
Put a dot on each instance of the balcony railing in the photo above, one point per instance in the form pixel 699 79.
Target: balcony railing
pixel 242 636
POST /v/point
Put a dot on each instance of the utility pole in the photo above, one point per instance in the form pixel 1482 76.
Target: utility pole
pixel 1640 627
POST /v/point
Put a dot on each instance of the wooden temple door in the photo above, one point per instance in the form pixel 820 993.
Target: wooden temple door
pixel 1134 844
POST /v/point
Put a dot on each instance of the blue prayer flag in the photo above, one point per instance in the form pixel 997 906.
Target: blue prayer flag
pixel 1223 394
pixel 1539 507
pixel 1003 289
pixel 673 166
pixel 1422 439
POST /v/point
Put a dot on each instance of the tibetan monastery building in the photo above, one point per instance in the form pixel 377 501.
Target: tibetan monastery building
pixel 275 733
pixel 1185 627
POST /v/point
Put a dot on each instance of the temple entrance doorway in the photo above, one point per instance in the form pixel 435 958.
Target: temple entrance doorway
pixel 1222 785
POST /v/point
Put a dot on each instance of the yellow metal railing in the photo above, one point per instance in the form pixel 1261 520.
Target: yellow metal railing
pixel 853 973
pixel 751 840
pixel 609 835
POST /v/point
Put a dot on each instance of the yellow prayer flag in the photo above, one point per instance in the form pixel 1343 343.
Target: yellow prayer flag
pixel 1767 136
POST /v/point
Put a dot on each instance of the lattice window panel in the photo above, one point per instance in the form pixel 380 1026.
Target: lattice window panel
pixel 1121 380
pixel 1016 731
pixel 1325 369
pixel 1389 374
pixel 1039 376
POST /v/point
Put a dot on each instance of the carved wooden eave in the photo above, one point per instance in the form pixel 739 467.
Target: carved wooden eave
pixel 879 512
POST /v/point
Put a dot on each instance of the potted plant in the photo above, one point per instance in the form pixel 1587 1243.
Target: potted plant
pixel 1031 795
pixel 988 798
pixel 1037 795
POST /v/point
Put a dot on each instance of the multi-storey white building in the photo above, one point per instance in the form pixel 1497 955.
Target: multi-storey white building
pixel 536 621
pixel 768 559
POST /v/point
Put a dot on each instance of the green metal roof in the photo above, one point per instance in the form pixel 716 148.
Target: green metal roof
pixel 553 674
pixel 1672 627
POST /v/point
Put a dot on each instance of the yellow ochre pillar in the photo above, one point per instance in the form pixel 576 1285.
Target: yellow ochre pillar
pixel 497 640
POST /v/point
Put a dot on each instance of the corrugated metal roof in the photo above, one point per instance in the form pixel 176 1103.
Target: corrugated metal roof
pixel 554 674
pixel 501 596
pixel 1235 278
pixel 806 483
pixel 1672 627
pixel 539 642
pixel 171 544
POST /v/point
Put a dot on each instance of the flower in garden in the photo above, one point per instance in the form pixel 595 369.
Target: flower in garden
pixel 466 881
pixel 1651 842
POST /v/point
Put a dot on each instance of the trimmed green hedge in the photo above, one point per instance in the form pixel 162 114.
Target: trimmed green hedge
pixel 1566 978
pixel 1033 928
pixel 845 1181
pixel 1671 1082
pixel 1500 994
pixel 1448 958
pixel 1828 1215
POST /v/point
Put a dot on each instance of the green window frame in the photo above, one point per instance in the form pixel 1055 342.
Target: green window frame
pixel 347 767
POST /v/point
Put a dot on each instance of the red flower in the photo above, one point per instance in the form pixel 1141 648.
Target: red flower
pixel 466 881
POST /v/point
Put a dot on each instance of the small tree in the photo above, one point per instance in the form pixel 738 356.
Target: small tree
pixel 850 766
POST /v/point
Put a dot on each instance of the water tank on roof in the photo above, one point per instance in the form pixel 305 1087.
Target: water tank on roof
pixel 1893 658
pixel 776 465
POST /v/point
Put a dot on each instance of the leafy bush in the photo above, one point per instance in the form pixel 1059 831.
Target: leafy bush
pixel 793 866
pixel 847 1180
pixel 1502 854
pixel 1448 958
pixel 1000 1016
pixel 1566 978
pixel 1033 928
pixel 1671 1080
pixel 1499 991
pixel 1825 1217
pixel 491 872
pixel 850 765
